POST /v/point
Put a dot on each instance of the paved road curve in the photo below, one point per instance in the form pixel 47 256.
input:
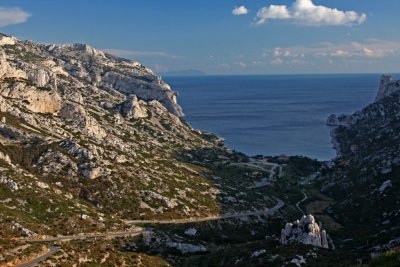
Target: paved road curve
pixel 298 203
pixel 51 251
pixel 85 236
pixel 54 249
pixel 269 212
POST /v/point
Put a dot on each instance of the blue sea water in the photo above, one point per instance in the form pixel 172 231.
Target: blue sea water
pixel 273 115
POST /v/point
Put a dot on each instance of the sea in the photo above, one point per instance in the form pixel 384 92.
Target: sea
pixel 273 114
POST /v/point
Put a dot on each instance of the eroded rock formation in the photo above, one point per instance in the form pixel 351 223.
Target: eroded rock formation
pixel 305 231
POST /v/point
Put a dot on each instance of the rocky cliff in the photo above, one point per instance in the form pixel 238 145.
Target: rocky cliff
pixel 81 67
pixel 364 178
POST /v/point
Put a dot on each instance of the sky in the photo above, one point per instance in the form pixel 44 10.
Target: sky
pixel 221 36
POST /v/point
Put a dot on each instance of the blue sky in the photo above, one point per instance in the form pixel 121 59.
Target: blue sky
pixel 258 37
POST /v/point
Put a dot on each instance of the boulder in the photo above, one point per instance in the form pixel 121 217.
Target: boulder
pixel 39 77
pixel 72 111
pixel 133 108
pixel 78 116
pixel 191 232
pixel 91 172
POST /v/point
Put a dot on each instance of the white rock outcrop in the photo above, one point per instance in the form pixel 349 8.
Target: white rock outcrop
pixel 305 231
pixel 385 185
pixel 90 171
pixel 298 260
pixel 258 253
pixel 38 101
pixel 39 77
pixel 9 71
pixel 145 87
pixel 10 183
pixel 186 248
pixel 4 157
pixel 7 40
pixel 133 108
pixel 79 117
pixel 191 232
pixel 22 229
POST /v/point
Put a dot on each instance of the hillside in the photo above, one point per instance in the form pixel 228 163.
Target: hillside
pixel 89 141
pixel 365 177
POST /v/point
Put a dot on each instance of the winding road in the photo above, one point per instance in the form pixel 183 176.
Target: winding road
pixel 85 236
pixel 269 212
pixel 298 203
pixel 50 252
pixel 263 165
pixel 54 249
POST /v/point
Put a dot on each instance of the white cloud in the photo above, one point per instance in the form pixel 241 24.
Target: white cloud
pixel 340 53
pixel 133 53
pixel 307 13
pixel 242 64
pixel 242 10
pixel 277 61
pixel 279 52
pixel 14 15
pixel 224 66
pixel 367 49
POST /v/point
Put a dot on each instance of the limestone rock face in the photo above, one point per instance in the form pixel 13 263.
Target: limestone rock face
pixel 39 77
pixel 8 71
pixel 133 108
pixel 34 99
pixel 387 86
pixel 78 116
pixel 114 74
pixel 305 231
pixel 71 111
pixel 146 87
pixel 6 40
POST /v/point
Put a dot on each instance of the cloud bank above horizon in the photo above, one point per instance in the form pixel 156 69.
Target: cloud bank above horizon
pixel 13 15
pixel 305 12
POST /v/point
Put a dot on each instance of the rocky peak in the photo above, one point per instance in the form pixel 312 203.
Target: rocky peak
pixel 82 66
pixel 87 49
pixel 387 86
pixel 7 40
pixel 305 231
